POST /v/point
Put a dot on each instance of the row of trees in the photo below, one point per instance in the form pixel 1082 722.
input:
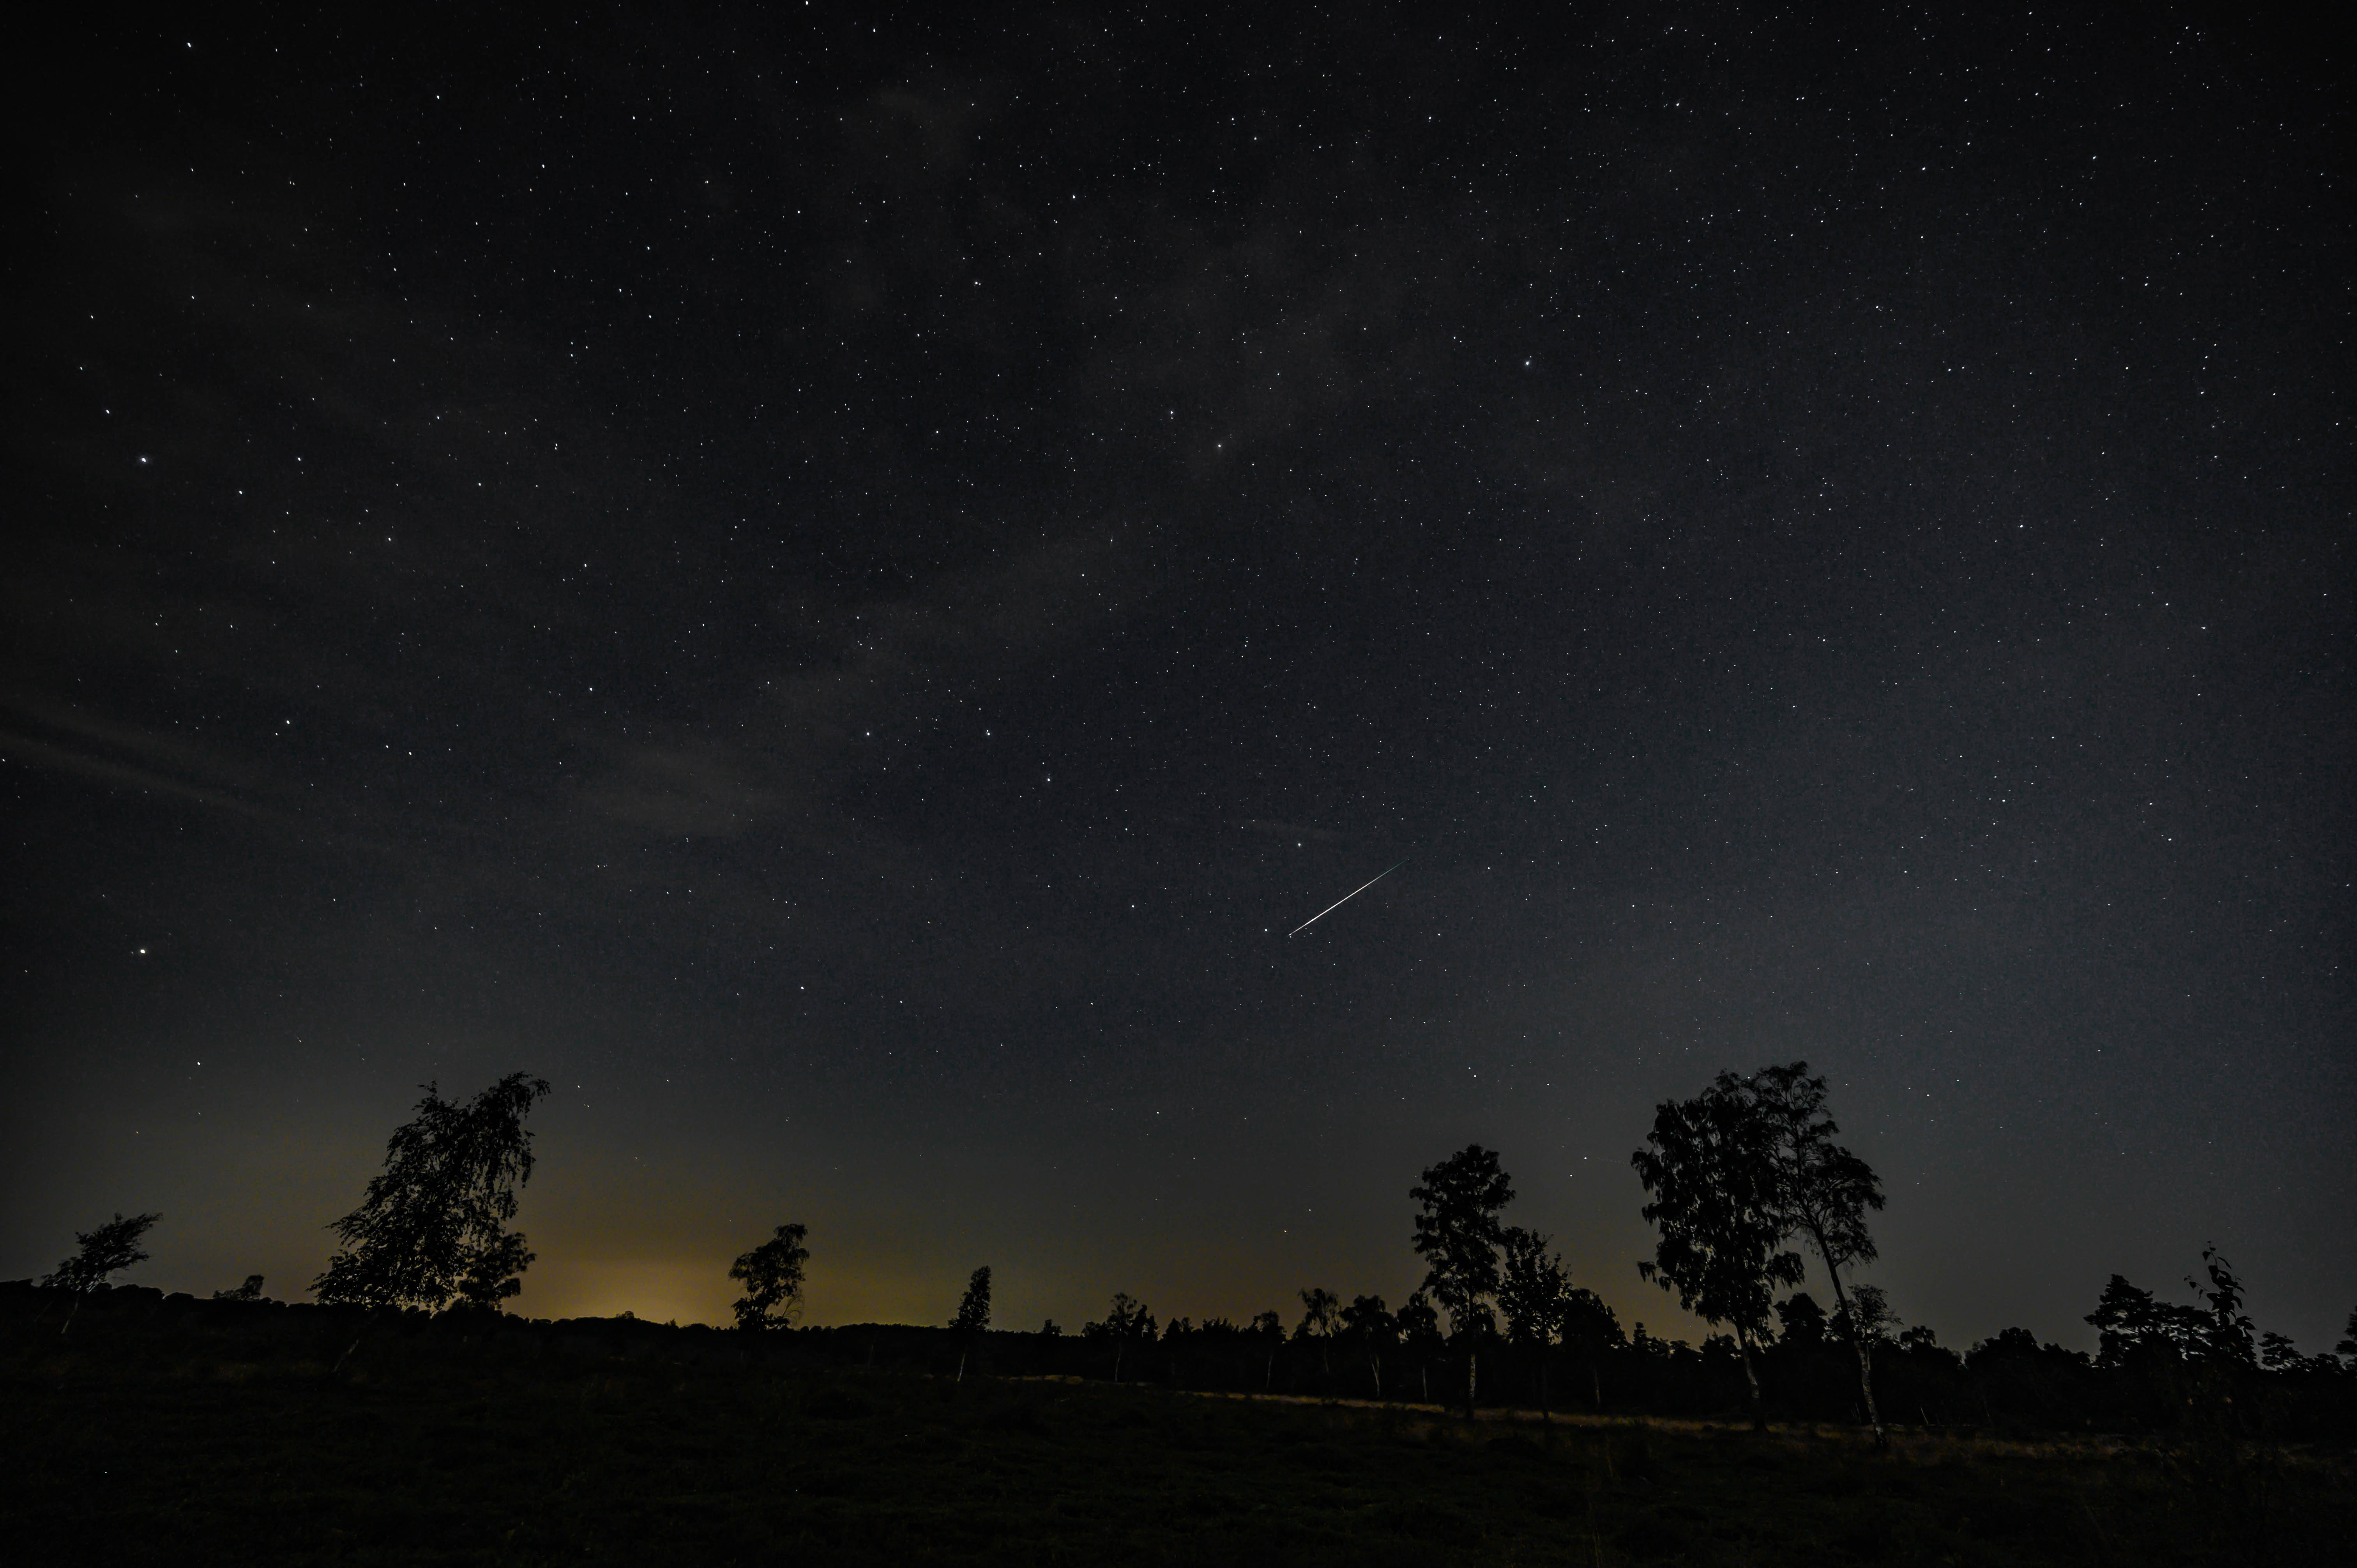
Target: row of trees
pixel 1742 1181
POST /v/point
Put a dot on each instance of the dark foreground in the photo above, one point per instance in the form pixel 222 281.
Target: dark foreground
pixel 193 1460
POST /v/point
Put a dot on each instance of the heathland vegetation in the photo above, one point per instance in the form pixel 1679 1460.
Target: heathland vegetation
pixel 2186 1436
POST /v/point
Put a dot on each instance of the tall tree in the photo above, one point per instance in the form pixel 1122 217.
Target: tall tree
pixel 771 1275
pixel 1270 1330
pixel 1127 1320
pixel 972 1314
pixel 1710 1167
pixel 1457 1235
pixel 1419 1331
pixel 1804 1321
pixel 1318 1306
pixel 1590 1327
pixel 1826 1193
pixel 110 1248
pixel 430 1229
pixel 2132 1327
pixel 1371 1329
pixel 2229 1329
pixel 1532 1293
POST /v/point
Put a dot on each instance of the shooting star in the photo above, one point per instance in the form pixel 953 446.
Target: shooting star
pixel 1345 898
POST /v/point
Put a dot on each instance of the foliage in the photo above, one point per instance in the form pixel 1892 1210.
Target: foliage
pixel 430 1227
pixel 1370 1328
pixel 1824 1192
pixel 1823 1189
pixel 1319 1307
pixel 1368 1324
pixel 110 1248
pixel 1458 1234
pixel 771 1275
pixel 973 1315
pixel 2228 1332
pixel 1711 1167
pixel 1587 1323
pixel 1533 1289
pixel 2278 1354
pixel 1802 1320
pixel 250 1290
pixel 1126 1320
pixel 1125 1317
pixel 973 1307
pixel 2131 1325
pixel 1865 1318
pixel 1420 1325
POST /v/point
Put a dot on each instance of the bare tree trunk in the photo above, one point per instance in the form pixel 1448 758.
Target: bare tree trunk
pixel 961 1377
pixel 1472 1378
pixel 1118 1346
pixel 1866 1387
pixel 1751 1375
pixel 1596 1383
pixel 368 1320
pixel 1865 1353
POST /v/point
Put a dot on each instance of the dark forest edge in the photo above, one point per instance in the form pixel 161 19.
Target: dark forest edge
pixel 1745 1184
pixel 2009 1384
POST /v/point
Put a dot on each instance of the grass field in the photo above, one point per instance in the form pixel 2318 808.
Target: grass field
pixel 203 1462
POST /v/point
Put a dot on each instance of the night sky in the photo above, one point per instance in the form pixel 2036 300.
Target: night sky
pixel 837 587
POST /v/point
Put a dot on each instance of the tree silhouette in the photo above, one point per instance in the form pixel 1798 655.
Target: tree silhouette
pixel 2278 1354
pixel 2347 1346
pixel 2229 1328
pixel 1710 1165
pixel 1592 1329
pixel 972 1314
pixel 1826 1191
pixel 1865 1318
pixel 1531 1296
pixel 1318 1305
pixel 2131 1326
pixel 771 1275
pixel 1124 1321
pixel 1803 1320
pixel 250 1290
pixel 1456 1234
pixel 1270 1328
pixel 1371 1329
pixel 430 1228
pixel 110 1248
pixel 1419 1331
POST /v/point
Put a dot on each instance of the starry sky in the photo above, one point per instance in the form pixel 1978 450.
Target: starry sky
pixel 837 586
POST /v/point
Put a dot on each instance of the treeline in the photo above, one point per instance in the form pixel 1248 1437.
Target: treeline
pixel 1744 1185
pixel 2008 1382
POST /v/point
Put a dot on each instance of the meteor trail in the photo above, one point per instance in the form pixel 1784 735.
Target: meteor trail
pixel 1345 898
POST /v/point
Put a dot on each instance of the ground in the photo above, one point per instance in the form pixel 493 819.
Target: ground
pixel 557 1461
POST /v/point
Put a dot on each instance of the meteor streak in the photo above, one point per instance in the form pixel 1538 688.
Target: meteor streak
pixel 1345 898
